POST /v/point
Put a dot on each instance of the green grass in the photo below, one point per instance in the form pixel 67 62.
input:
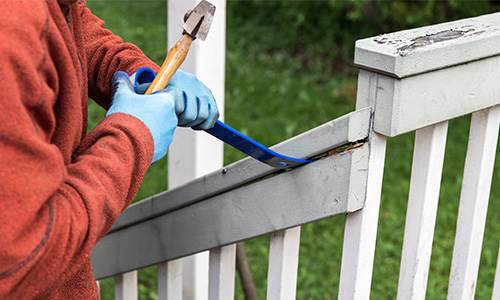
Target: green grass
pixel 272 96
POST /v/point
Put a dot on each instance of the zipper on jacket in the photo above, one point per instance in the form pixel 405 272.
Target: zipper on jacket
pixel 66 16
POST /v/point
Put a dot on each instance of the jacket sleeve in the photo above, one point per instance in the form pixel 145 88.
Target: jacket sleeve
pixel 106 54
pixel 54 208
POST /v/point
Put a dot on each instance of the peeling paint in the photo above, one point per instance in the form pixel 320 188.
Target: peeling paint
pixel 405 46
pixel 434 38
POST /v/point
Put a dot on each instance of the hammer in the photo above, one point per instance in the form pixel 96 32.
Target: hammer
pixel 197 23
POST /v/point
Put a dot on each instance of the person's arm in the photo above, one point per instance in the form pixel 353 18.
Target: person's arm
pixel 54 207
pixel 106 54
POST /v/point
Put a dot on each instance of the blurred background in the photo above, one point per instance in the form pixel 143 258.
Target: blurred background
pixel 289 68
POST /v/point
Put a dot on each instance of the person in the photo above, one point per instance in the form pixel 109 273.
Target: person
pixel 62 189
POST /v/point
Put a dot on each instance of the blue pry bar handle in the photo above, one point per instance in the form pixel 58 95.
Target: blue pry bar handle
pixel 250 147
pixel 235 138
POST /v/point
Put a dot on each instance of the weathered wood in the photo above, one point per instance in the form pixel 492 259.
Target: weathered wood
pixel 428 75
pixel 195 269
pixel 427 167
pixel 406 53
pixel 360 231
pixel 404 105
pixel 221 276
pixel 367 90
pixel 283 264
pixel 476 186
pixel 126 286
pixel 170 280
pixel 349 128
pixel 318 190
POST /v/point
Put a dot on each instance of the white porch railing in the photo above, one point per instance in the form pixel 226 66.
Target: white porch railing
pixel 414 80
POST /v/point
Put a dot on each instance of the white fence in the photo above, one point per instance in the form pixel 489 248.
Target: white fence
pixel 415 80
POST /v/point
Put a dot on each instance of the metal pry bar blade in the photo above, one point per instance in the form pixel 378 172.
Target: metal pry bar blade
pixel 199 20
pixel 252 148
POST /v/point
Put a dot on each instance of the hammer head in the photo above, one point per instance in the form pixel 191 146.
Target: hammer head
pixel 198 20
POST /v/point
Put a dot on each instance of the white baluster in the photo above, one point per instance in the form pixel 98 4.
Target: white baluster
pixel 221 275
pixel 170 280
pixel 361 230
pixel 428 159
pixel 126 286
pixel 496 284
pixel 474 198
pixel 283 264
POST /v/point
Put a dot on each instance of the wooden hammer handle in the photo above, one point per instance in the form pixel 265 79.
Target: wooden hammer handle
pixel 174 59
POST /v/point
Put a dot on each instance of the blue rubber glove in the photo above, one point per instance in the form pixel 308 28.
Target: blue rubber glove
pixel 197 107
pixel 156 111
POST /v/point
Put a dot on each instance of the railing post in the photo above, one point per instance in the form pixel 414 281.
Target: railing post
pixel 361 226
pixel 193 153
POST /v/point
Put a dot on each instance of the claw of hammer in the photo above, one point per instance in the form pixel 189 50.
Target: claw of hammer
pixel 199 19
pixel 196 25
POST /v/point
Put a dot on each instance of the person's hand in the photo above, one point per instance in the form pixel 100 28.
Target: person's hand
pixel 156 111
pixel 197 108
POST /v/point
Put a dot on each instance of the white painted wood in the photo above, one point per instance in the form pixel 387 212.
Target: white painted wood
pixel 408 104
pixel 429 75
pixel 473 207
pixel 283 264
pixel 170 280
pixel 221 274
pixel 367 90
pixel 195 271
pixel 415 51
pixel 361 230
pixel 126 286
pixel 496 284
pixel 194 153
pixel 428 158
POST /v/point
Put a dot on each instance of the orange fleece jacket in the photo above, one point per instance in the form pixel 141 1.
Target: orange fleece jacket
pixel 61 190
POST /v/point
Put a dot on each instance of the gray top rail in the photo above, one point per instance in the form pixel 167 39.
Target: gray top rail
pixel 242 201
pixel 344 130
